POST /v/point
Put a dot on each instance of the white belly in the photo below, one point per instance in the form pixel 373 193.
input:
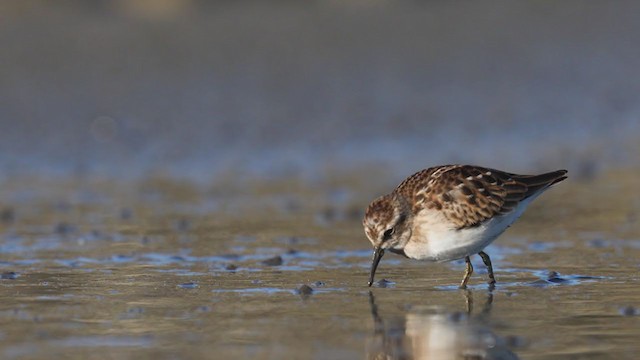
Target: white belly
pixel 434 239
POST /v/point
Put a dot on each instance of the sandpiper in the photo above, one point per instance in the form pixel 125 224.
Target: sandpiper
pixel 450 212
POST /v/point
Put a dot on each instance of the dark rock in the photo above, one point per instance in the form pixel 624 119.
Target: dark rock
pixel 64 228
pixel 203 309
pixel 598 243
pixel 304 290
pixel 274 261
pixel 11 275
pixel 7 215
pixel 183 225
pixel 188 285
pixel 629 311
pixel 126 214
pixel 231 267
pixel 554 277
pixel 329 214
pixel 514 341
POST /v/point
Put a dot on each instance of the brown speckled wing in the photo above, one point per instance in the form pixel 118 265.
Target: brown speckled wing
pixel 470 195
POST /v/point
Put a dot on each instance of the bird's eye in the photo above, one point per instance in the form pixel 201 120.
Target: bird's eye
pixel 387 234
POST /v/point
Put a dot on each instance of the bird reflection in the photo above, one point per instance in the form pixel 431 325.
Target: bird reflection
pixel 436 335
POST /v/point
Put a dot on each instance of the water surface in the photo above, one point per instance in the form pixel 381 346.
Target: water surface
pixel 162 269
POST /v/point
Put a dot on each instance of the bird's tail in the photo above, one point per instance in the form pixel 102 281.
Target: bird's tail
pixel 537 183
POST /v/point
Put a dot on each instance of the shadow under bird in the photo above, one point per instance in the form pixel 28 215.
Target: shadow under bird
pixel 450 212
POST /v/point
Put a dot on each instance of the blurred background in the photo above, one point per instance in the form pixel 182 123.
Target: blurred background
pixel 270 90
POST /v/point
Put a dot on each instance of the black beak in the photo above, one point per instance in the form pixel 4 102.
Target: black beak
pixel 377 255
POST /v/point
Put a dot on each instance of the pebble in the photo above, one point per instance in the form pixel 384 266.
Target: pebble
pixel 63 228
pixel 203 309
pixel 7 215
pixel 188 285
pixel 598 243
pixel 274 261
pixel 126 214
pixel 11 275
pixel 304 290
pixel 554 277
pixel 629 311
pixel 183 224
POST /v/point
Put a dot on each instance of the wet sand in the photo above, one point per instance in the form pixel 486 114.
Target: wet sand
pixel 170 269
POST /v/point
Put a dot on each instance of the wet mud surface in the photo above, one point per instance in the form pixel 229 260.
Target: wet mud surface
pixel 167 269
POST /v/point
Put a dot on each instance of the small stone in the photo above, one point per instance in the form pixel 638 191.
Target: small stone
pixel 628 311
pixel 63 228
pixel 183 225
pixel 11 275
pixel 126 214
pixel 188 285
pixel 231 267
pixel 329 214
pixel 274 261
pixel 514 341
pixel 203 309
pixel 7 215
pixel 598 243
pixel 135 310
pixel 554 277
pixel 304 290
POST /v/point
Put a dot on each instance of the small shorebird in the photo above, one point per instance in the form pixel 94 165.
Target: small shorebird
pixel 450 212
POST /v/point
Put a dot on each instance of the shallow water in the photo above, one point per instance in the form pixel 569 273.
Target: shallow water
pixel 162 269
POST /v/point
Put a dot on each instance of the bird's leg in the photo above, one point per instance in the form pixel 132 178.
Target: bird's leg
pixel 467 273
pixel 487 261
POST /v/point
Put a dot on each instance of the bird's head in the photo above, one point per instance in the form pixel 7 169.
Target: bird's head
pixel 387 224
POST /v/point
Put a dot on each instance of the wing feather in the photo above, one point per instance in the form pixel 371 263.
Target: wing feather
pixel 470 195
